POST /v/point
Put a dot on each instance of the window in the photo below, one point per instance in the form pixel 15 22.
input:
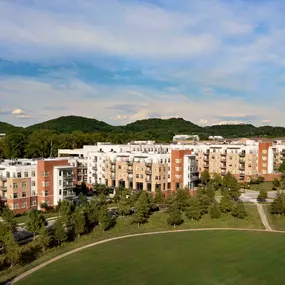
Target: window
pixel 137 176
pixel 19 175
pixel 264 158
pixel 33 183
pixel 15 185
pixel 44 174
pixel 24 205
pixel 34 203
pixel 46 193
pixel 33 173
pixel 26 174
pixel 59 182
pixel 45 183
pixel 59 191
pixel 120 167
pixel 33 193
pixel 24 184
pixel 263 171
pixel 24 194
pixel 141 176
pixel 264 164
pixel 156 177
pixel 264 151
pixel 177 160
pixel 16 206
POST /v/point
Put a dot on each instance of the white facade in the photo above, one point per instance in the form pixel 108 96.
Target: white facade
pixel 190 171
pixel 63 183
pixel 185 137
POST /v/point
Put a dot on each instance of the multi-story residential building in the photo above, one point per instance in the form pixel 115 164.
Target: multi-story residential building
pixel 26 184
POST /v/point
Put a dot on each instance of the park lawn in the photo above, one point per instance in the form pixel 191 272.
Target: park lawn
pixel 210 258
pixel 263 186
pixel 23 218
pixel 276 222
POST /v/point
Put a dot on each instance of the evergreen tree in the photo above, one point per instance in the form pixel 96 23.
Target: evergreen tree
pixel 175 216
pixel 193 211
pixel 226 203
pixel 210 191
pixel 8 216
pixel 79 222
pixel 278 204
pixel 159 197
pixel 182 199
pixel 205 177
pixel 65 212
pixel 105 219
pixel 204 202
pixel 35 222
pixel 262 196
pixel 215 212
pixel 12 251
pixel 239 210
pixel 43 239
pixel 124 207
pixel 93 212
pixel 276 182
pixel 82 200
pixel 217 181
pixel 141 209
pixel 231 185
pixel 60 231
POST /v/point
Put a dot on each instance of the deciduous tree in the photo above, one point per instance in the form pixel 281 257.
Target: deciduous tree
pixel 175 217
pixel 105 219
pixel 226 203
pixel 35 222
pixel 79 222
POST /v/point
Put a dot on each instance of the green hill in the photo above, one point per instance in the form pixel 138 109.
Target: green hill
pixel 72 123
pixel 158 129
pixel 8 128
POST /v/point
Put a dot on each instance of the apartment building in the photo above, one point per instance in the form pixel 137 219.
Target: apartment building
pixel 26 184
pixel 18 185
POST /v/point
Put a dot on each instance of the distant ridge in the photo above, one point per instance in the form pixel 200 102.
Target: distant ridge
pixel 162 129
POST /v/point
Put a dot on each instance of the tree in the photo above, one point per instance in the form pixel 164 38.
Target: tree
pixel 124 207
pixel 79 222
pixel 159 197
pixel 141 209
pixel 282 180
pixel 12 251
pixel 43 239
pixel 93 212
pixel 226 203
pixel 262 196
pixel 217 181
pixel 175 216
pixel 36 221
pixel 276 182
pixel 182 199
pixel 14 145
pixel 105 219
pixel 8 216
pixel 215 212
pixel 193 211
pixel 204 203
pixel 282 166
pixel 239 210
pixel 210 191
pixel 278 204
pixel 82 199
pixel 205 176
pixel 60 231
pixel 231 185
pixel 65 211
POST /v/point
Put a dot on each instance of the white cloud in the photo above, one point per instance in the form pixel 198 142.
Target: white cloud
pixel 18 112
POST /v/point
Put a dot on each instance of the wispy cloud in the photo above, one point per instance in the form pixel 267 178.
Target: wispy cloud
pixel 208 61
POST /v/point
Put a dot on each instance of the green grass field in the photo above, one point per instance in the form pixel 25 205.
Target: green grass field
pixel 157 222
pixel 265 185
pixel 276 222
pixel 210 258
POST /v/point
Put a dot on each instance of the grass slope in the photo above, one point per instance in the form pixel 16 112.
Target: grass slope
pixel 276 222
pixel 214 258
pixel 157 222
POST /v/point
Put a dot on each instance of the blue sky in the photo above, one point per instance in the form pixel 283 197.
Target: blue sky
pixel 208 61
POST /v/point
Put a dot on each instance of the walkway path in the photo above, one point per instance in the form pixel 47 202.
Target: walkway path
pixel 263 217
pixel 18 278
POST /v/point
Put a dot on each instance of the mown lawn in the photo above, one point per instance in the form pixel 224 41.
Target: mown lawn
pixel 23 219
pixel 157 222
pixel 207 258
pixel 265 185
pixel 276 222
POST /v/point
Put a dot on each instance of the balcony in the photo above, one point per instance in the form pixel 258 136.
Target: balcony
pixel 113 169
pixel 242 160
pixel 242 154
pixel 94 175
pixel 148 164
pixel 130 178
pixel 223 166
pixel 129 163
pixel 68 177
pixel 3 188
pixel 223 159
pixel 94 167
pixel 113 176
pixel 206 165
pixel 67 194
pixel 148 172
pixel 206 158
pixel 223 154
pixel 130 171
pixel 223 173
pixel 241 167
pixel 148 180
pixel 113 162
pixel 3 178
